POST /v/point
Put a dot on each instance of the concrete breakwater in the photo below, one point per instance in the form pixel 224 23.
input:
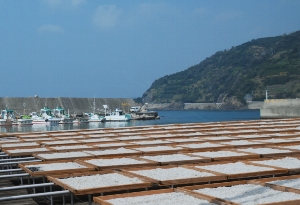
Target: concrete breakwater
pixel 27 105
pixel 280 108
pixel 199 106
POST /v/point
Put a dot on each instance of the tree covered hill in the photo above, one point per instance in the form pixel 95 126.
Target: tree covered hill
pixel 271 64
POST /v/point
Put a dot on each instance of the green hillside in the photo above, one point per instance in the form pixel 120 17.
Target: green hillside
pixel 267 63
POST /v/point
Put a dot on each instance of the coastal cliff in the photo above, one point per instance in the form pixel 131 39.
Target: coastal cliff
pixel 228 76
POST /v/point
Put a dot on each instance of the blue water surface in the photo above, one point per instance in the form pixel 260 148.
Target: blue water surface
pixel 166 117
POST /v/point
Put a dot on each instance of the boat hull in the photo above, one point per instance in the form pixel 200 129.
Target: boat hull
pixel 4 122
pixel 66 121
pixel 22 122
pixel 116 118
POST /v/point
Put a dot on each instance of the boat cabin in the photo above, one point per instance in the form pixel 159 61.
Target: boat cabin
pixel 46 111
pixel 7 114
pixel 59 111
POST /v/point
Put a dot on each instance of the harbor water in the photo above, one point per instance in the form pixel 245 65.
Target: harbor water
pixel 166 117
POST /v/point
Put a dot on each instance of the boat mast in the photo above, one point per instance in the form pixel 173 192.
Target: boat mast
pixel 94 106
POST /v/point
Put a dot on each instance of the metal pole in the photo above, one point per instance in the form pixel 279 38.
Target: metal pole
pixel 90 199
pixel 21 180
pixel 17 159
pixel 25 186
pixel 10 170
pixel 72 199
pixel 13 175
pixel 33 182
pixel 51 197
pixel 44 181
pixel 64 198
pixel 10 163
pixel 34 195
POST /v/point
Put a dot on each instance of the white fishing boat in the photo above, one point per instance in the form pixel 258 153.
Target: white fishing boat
pixel 36 119
pixel 96 118
pixel 59 112
pixel 93 117
pixel 117 115
pixel 81 120
pixel 45 117
pixel 24 122
pixel 6 118
pixel 47 114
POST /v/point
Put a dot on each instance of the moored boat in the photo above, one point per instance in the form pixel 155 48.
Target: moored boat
pixel 96 118
pixel 24 122
pixel 6 118
pixel 59 112
pixel 36 119
pixel 118 115
pixel 45 117
pixel 142 113
pixel 81 120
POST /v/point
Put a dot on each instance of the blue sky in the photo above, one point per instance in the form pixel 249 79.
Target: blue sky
pixel 112 49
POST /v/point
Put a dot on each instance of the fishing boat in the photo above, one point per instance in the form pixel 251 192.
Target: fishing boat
pixel 93 117
pixel 59 112
pixel 118 115
pixel 142 113
pixel 45 117
pixel 36 119
pixel 81 120
pixel 24 120
pixel 6 118
pixel 96 118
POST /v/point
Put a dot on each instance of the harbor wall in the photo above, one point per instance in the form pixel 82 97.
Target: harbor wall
pixel 280 108
pixel 200 106
pixel 74 105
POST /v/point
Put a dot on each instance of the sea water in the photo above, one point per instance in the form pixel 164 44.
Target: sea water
pixel 166 117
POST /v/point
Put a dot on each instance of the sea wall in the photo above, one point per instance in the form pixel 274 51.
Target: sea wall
pixel 158 106
pixel 280 108
pixel 201 106
pixel 74 105
pixel 280 112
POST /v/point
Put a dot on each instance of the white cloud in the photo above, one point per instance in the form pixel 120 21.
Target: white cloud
pixel 51 29
pixel 107 16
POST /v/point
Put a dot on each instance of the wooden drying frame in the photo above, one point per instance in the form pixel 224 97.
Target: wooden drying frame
pixel 24 166
pixel 148 163
pixel 103 199
pixel 276 170
pixel 12 154
pixel 55 179
pixel 217 177
pixel 215 185
pixel 229 158
pixel 191 161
